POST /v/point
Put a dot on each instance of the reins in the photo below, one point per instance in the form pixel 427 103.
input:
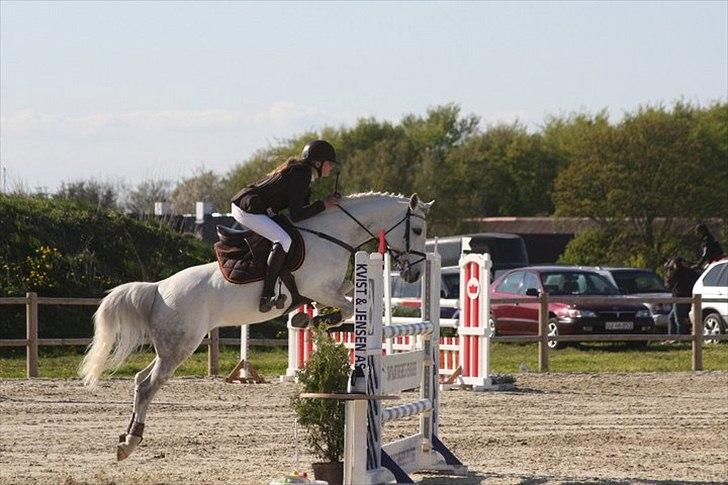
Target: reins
pixel 396 254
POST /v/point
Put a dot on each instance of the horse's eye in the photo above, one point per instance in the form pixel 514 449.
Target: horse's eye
pixel 417 231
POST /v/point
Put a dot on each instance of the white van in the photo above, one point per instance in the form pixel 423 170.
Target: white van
pixel 713 283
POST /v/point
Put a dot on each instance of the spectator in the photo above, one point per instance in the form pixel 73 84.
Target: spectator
pixel 712 251
pixel 680 279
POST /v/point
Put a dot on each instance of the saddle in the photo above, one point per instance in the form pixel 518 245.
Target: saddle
pixel 243 255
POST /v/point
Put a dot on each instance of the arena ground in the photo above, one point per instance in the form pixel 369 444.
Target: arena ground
pixel 556 428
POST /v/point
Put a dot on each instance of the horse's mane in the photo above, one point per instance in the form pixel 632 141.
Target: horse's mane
pixel 350 200
pixel 360 200
pixel 372 194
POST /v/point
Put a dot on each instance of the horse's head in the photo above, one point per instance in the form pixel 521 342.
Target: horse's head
pixel 401 219
pixel 406 239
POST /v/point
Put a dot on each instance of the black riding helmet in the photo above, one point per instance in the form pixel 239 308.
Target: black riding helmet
pixel 318 151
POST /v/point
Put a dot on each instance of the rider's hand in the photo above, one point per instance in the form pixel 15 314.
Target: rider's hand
pixel 331 200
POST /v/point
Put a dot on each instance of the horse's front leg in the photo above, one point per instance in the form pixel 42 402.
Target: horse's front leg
pixel 337 300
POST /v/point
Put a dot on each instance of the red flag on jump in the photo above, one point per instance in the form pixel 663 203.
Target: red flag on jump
pixel 382 242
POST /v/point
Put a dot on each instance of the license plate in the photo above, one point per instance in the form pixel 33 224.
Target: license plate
pixel 619 325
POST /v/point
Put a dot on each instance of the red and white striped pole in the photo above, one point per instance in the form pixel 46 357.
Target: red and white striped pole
pixel 474 331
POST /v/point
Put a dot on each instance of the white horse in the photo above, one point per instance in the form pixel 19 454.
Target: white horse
pixel 175 314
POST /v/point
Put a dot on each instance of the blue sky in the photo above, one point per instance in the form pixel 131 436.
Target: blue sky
pixel 131 91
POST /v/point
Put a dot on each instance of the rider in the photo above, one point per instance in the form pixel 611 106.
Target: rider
pixel 286 187
pixel 712 251
pixel 680 279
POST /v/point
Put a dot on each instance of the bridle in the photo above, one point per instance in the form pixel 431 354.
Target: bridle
pixel 398 256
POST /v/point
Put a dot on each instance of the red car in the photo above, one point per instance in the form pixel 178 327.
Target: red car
pixel 564 318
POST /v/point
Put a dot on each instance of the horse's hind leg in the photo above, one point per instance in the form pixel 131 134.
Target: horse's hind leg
pixel 147 383
pixel 138 379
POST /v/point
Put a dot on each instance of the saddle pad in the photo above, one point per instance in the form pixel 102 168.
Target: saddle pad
pixel 245 260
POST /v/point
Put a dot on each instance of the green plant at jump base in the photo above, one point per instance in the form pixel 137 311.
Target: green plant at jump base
pixel 327 371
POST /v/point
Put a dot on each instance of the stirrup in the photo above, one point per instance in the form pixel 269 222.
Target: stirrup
pixel 267 303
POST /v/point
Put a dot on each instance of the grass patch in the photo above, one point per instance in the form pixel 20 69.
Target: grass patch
pixel 62 362
pixel 607 357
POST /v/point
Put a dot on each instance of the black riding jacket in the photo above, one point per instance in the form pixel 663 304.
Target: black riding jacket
pixel 712 250
pixel 289 189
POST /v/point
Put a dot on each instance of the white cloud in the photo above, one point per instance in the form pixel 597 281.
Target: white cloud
pixel 507 117
pixel 284 111
pixel 27 122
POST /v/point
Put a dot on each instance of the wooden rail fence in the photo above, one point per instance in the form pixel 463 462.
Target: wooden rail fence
pixel 697 338
pixel 31 342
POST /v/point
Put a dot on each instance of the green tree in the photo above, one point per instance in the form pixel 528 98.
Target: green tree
pixel 502 171
pixel 638 176
pixel 377 155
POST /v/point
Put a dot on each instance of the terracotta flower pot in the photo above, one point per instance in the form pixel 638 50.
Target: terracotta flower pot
pixel 330 472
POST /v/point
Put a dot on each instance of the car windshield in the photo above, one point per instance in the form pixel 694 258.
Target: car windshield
pixel 631 282
pixel 576 283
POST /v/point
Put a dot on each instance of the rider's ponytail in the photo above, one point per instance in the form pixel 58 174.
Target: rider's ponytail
pixel 289 162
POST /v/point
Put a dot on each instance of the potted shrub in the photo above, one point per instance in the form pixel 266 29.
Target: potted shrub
pixel 327 371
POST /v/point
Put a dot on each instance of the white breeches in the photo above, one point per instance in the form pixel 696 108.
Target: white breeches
pixel 263 225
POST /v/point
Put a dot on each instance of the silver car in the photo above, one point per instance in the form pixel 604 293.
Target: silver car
pixel 639 282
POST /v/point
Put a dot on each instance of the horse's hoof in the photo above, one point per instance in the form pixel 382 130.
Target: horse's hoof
pixel 281 302
pixel 266 304
pixel 300 320
pixel 331 321
pixel 121 453
pixel 125 448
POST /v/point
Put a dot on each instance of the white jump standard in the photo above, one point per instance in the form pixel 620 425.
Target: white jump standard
pixel 464 359
pixel 366 458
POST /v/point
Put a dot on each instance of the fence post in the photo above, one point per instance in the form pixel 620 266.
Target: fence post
pixel 213 352
pixel 543 332
pixel 244 347
pixel 31 318
pixel 697 333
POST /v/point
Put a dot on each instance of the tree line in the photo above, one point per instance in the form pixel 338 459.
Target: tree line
pixel 642 178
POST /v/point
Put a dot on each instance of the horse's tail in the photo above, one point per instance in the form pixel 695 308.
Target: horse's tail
pixel 121 324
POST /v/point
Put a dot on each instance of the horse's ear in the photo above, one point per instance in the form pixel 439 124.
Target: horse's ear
pixel 428 205
pixel 414 201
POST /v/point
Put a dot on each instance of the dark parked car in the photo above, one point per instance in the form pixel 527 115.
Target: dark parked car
pixel 507 251
pixel 638 282
pixel 564 318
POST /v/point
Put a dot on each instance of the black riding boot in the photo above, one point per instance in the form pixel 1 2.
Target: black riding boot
pixel 275 263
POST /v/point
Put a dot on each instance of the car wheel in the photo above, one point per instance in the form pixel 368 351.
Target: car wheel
pixel 712 325
pixel 491 325
pixel 553 329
